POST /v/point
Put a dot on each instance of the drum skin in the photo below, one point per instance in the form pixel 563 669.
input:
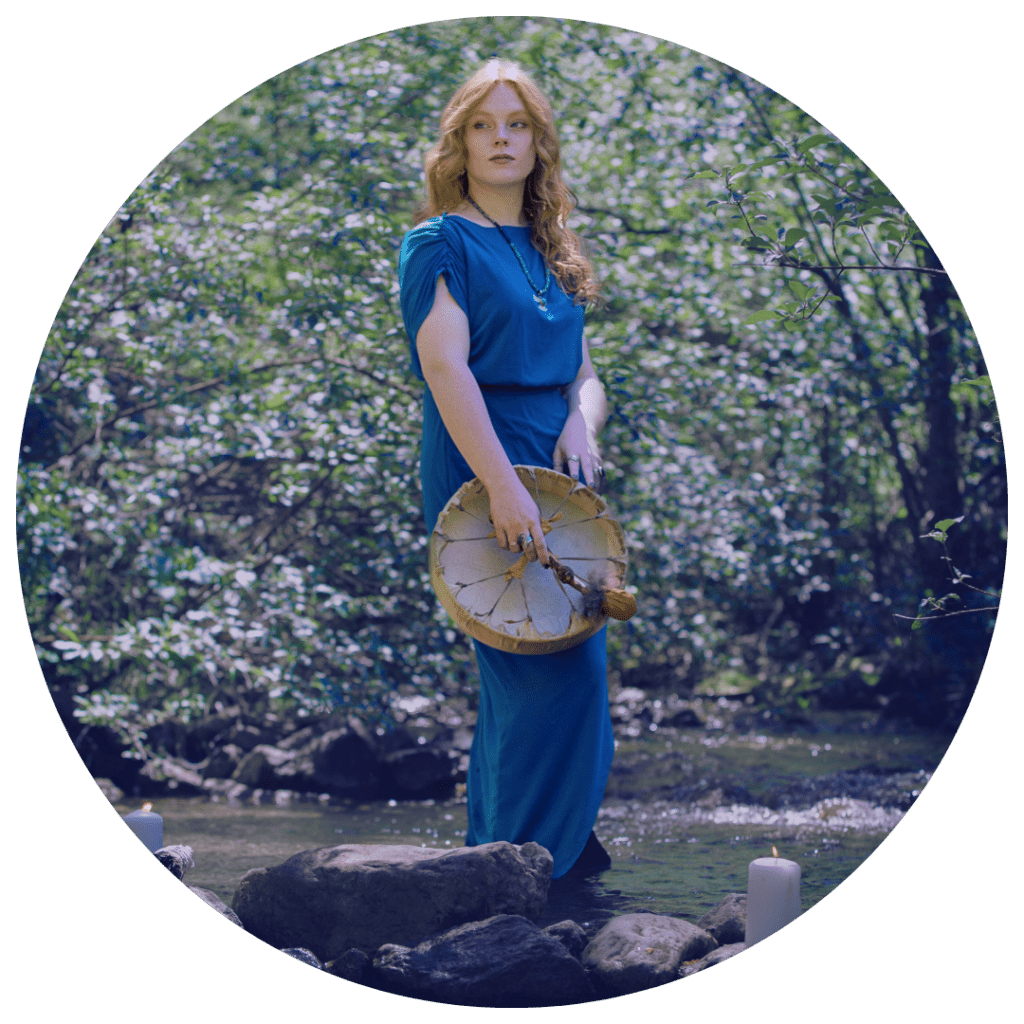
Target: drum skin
pixel 536 614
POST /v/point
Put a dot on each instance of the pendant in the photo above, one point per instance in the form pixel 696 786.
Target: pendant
pixel 541 302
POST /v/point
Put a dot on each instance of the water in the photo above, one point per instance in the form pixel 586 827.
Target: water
pixel 669 856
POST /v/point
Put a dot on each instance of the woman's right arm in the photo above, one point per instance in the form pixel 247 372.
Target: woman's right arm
pixel 442 344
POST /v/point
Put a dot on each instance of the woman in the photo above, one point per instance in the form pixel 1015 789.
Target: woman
pixel 493 288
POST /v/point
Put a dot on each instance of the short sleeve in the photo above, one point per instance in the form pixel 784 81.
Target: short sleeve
pixel 427 252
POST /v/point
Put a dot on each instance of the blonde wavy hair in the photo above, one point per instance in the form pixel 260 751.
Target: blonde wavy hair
pixel 547 200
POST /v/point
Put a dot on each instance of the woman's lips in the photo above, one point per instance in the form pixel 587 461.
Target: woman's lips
pixel 502 158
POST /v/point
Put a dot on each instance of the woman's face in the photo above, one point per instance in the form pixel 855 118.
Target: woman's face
pixel 499 140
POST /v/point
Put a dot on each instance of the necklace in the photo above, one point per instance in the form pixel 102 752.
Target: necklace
pixel 539 294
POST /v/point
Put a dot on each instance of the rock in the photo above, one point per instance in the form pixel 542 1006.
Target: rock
pixel 395 739
pixel 339 898
pixel 684 718
pixel 257 769
pixel 418 769
pixel 222 763
pixel 301 737
pixel 113 793
pixel 639 951
pixel 249 737
pixel 352 966
pixel 716 956
pixel 305 956
pixel 211 899
pixel 177 859
pixel 202 733
pixel 503 961
pixel 727 923
pixel 169 775
pixel 342 761
pixel 569 934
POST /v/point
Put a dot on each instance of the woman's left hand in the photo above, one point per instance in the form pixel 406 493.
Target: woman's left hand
pixel 577 449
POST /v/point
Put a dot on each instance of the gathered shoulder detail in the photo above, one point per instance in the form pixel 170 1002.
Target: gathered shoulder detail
pixel 431 249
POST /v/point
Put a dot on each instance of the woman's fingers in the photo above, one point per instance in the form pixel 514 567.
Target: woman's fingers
pixel 529 540
pixel 538 548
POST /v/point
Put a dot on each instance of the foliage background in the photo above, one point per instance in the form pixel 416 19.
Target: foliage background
pixel 219 500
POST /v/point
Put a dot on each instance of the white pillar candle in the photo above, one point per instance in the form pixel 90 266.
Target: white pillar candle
pixel 148 826
pixel 773 896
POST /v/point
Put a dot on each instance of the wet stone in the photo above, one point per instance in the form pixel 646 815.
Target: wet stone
pixel 503 961
pixel 305 956
pixel 177 859
pixel 727 923
pixel 716 956
pixel 212 900
pixel 640 951
pixel 570 934
pixel 352 966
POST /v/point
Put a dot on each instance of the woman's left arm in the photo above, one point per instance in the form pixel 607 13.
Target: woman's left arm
pixel 588 411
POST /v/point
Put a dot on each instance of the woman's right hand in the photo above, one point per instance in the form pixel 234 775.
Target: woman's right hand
pixel 514 514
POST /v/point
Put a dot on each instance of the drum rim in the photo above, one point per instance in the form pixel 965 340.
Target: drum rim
pixel 491 637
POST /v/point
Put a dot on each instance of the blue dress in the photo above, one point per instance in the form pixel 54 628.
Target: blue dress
pixel 542 747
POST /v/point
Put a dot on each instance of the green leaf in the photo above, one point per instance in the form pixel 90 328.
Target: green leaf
pixel 761 316
pixel 276 401
pixel 703 175
pixel 945 524
pixel 814 140
pixel 917 624
pixel 793 235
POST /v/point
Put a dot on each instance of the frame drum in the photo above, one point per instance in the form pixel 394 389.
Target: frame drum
pixel 526 610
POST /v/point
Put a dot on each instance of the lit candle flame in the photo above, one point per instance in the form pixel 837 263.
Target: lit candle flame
pixel 775 853
pixel 148 807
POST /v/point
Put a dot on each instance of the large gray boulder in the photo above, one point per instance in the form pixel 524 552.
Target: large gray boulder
pixel 503 961
pixel 340 898
pixel 728 921
pixel 716 956
pixel 639 951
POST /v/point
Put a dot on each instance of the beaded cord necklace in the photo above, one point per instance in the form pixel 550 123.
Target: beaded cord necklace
pixel 539 294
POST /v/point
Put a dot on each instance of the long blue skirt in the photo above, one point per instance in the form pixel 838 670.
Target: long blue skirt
pixel 543 746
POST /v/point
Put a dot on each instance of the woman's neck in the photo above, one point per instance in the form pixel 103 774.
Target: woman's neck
pixel 503 205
